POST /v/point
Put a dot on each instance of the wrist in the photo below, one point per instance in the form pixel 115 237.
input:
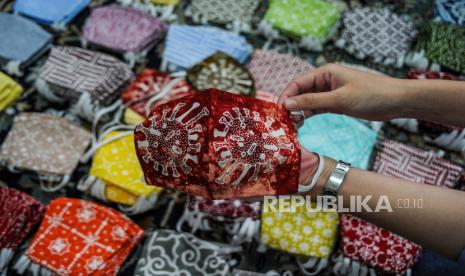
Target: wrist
pixel 329 166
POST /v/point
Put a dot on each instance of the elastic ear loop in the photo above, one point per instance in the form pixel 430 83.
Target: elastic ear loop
pixel 321 165
pixel 299 113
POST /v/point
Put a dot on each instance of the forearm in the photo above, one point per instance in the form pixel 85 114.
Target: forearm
pixel 434 100
pixel 438 225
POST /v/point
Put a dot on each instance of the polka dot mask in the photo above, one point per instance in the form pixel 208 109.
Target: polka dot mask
pixel 220 145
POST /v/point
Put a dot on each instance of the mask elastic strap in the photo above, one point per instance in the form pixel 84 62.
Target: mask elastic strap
pixel 97 145
pixel 321 165
pixel 163 92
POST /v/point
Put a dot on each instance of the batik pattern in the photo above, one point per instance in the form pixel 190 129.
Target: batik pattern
pixel 221 209
pixel 78 237
pixel 273 71
pixel 224 11
pixel 9 91
pixel 222 72
pixel 450 11
pixel 44 143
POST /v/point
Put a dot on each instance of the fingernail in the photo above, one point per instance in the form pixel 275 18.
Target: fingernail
pixel 290 104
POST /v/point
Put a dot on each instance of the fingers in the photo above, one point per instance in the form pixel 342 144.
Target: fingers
pixel 314 101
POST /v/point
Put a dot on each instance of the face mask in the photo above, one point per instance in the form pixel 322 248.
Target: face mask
pixel 10 91
pixel 78 236
pixel 152 88
pixel 183 50
pixel 309 234
pixel 273 71
pixel 23 42
pixel 222 72
pixel 116 175
pixel 53 12
pixel 93 80
pixel 19 213
pixel 312 21
pixel 377 34
pixel 220 145
pixel 450 11
pixel 45 144
pixel 168 252
pixel 338 136
pixel 366 246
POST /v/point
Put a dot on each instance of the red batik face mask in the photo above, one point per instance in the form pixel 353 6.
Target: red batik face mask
pixel 220 145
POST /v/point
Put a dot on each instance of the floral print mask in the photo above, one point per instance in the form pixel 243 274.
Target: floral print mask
pixel 207 145
pixel 9 91
pixel 450 11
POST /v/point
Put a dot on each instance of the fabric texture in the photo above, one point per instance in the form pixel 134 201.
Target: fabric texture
pixel 222 72
pixel 224 11
pixel 123 29
pixel 168 252
pixel 151 83
pixel 339 136
pixel 377 34
pixel 306 233
pixel 225 209
pixel 10 91
pixel 183 49
pixel 78 236
pixel 273 71
pixel 376 247
pixel 206 145
pixel 450 11
pixel 52 11
pixel 44 143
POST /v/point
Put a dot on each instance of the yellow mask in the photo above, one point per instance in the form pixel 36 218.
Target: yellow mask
pixel 9 91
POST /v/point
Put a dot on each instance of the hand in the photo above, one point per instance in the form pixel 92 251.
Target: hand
pixel 338 89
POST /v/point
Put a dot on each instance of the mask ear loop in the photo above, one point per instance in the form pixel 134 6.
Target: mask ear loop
pixel 162 93
pixel 321 165
pixel 300 113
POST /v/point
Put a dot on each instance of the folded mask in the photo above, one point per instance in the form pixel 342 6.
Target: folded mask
pixel 53 12
pixel 188 45
pixel 151 88
pixel 45 144
pixel 273 71
pixel 220 145
pixel 88 80
pixel 222 72
pixel 9 91
pixel 116 175
pixel 78 237
pixel 406 162
pixel 168 252
pixel 22 42
pixel 378 34
pixel 235 14
pixel 450 11
pixel 123 30
pixel 307 233
pixel 340 137
pixel 19 213
pixel 311 21
pixel 366 246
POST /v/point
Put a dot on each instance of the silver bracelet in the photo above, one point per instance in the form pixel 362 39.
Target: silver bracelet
pixel 336 178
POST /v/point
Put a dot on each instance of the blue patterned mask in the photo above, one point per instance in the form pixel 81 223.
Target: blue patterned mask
pixel 450 11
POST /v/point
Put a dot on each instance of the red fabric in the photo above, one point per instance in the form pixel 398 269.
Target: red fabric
pixel 148 84
pixel 225 209
pixel 19 212
pixel 220 145
pixel 78 237
pixel 376 247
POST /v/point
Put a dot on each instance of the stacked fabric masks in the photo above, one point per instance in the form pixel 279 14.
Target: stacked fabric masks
pixel 10 91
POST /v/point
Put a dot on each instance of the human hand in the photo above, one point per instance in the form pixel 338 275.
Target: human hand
pixel 338 89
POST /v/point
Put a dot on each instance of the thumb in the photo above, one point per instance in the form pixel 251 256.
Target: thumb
pixel 314 101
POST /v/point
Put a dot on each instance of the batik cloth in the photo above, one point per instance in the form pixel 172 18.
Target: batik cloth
pixel 220 145
pixel 222 72
pixel 43 143
pixel 377 34
pixel 303 232
pixel 339 137
pixel 10 91
pixel 273 71
pixel 152 84
pixel 406 162
pixel 117 165
pixel 168 252
pixel 182 48
pixel 222 209
pixel 50 12
pixel 19 213
pixel 166 2
pixel 23 41
pixel 123 29
pixel 314 19
pixel 79 237
pixel 375 247
pixel 71 72
pixel 224 11
pixel 444 44
pixel 450 11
